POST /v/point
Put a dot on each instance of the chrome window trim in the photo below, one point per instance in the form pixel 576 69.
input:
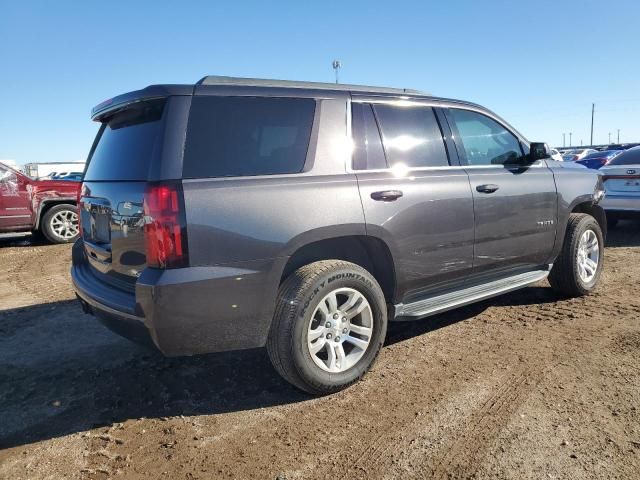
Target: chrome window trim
pixel 413 102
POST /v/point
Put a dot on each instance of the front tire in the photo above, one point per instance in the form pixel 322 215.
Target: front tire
pixel 60 223
pixel 579 265
pixel 329 325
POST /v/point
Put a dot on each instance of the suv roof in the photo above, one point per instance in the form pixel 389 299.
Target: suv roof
pixel 261 82
pixel 163 90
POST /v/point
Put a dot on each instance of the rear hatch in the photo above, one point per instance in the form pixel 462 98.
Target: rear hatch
pixel 112 213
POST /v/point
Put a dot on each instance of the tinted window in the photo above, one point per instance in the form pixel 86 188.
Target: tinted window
pixel 411 136
pixel 628 157
pixel 368 153
pixel 237 136
pixel 127 143
pixel 485 141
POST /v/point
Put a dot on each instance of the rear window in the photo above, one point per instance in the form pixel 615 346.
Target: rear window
pixel 128 143
pixel 242 136
pixel 628 157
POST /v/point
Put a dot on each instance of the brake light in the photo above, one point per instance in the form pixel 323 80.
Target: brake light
pixel 164 226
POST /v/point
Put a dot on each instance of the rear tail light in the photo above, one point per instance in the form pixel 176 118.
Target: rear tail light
pixel 165 226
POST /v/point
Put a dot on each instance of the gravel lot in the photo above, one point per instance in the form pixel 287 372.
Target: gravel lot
pixel 527 385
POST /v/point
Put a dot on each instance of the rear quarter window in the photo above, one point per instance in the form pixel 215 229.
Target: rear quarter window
pixel 245 136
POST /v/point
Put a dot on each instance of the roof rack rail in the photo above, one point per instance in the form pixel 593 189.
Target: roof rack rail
pixel 260 82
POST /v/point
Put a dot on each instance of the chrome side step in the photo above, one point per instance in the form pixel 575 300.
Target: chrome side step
pixel 441 303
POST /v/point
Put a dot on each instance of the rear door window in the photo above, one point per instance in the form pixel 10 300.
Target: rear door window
pixel 128 143
pixel 484 141
pixel 411 136
pixel 368 153
pixel 242 136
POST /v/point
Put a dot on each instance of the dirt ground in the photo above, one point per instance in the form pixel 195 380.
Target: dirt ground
pixel 527 385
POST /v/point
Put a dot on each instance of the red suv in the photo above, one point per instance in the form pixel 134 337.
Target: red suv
pixel 47 206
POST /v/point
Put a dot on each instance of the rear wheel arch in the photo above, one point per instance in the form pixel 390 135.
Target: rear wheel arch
pixel 46 205
pixel 59 222
pixel 370 253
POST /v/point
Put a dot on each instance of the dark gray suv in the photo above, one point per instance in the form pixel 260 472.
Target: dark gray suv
pixel 238 213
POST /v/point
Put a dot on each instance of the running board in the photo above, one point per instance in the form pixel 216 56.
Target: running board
pixel 441 303
pixel 15 235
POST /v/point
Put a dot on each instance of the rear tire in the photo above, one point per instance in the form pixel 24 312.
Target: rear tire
pixel 578 267
pixel 60 223
pixel 326 312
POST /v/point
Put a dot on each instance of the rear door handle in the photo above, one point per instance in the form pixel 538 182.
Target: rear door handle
pixel 488 188
pixel 387 195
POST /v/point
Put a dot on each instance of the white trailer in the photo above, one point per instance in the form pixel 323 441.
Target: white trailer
pixel 46 169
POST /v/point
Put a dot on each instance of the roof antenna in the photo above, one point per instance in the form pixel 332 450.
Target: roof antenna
pixel 337 65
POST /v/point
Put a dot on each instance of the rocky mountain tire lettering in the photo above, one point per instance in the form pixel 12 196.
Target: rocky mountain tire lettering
pixel 338 276
pixel 350 275
pixel 310 299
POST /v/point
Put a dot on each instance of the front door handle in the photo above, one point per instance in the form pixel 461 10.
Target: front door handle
pixel 488 188
pixel 387 195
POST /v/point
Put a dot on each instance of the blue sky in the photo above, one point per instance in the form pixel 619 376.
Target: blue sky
pixel 539 64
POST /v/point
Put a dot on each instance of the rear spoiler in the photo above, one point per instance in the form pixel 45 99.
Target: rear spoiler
pixel 114 104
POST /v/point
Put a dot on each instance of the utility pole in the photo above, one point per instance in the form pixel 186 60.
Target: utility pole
pixel 563 142
pixel 618 141
pixel 609 138
pixel 580 142
pixel 593 109
pixel 570 138
pixel 337 65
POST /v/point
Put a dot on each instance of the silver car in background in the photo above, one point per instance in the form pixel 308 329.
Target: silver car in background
pixel 621 178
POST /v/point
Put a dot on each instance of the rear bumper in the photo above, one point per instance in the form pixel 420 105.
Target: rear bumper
pixel 621 203
pixel 185 311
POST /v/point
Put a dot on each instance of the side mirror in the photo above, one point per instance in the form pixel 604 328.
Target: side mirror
pixel 538 151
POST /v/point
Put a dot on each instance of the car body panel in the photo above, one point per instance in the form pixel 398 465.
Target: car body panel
pixel 431 250
pixel 515 227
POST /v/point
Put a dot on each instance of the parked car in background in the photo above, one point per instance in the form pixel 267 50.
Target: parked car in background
pixel 47 206
pixel 47 169
pixel 72 176
pixel 555 154
pixel 255 215
pixel 621 179
pixel 621 146
pixel 577 154
pixel 596 159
